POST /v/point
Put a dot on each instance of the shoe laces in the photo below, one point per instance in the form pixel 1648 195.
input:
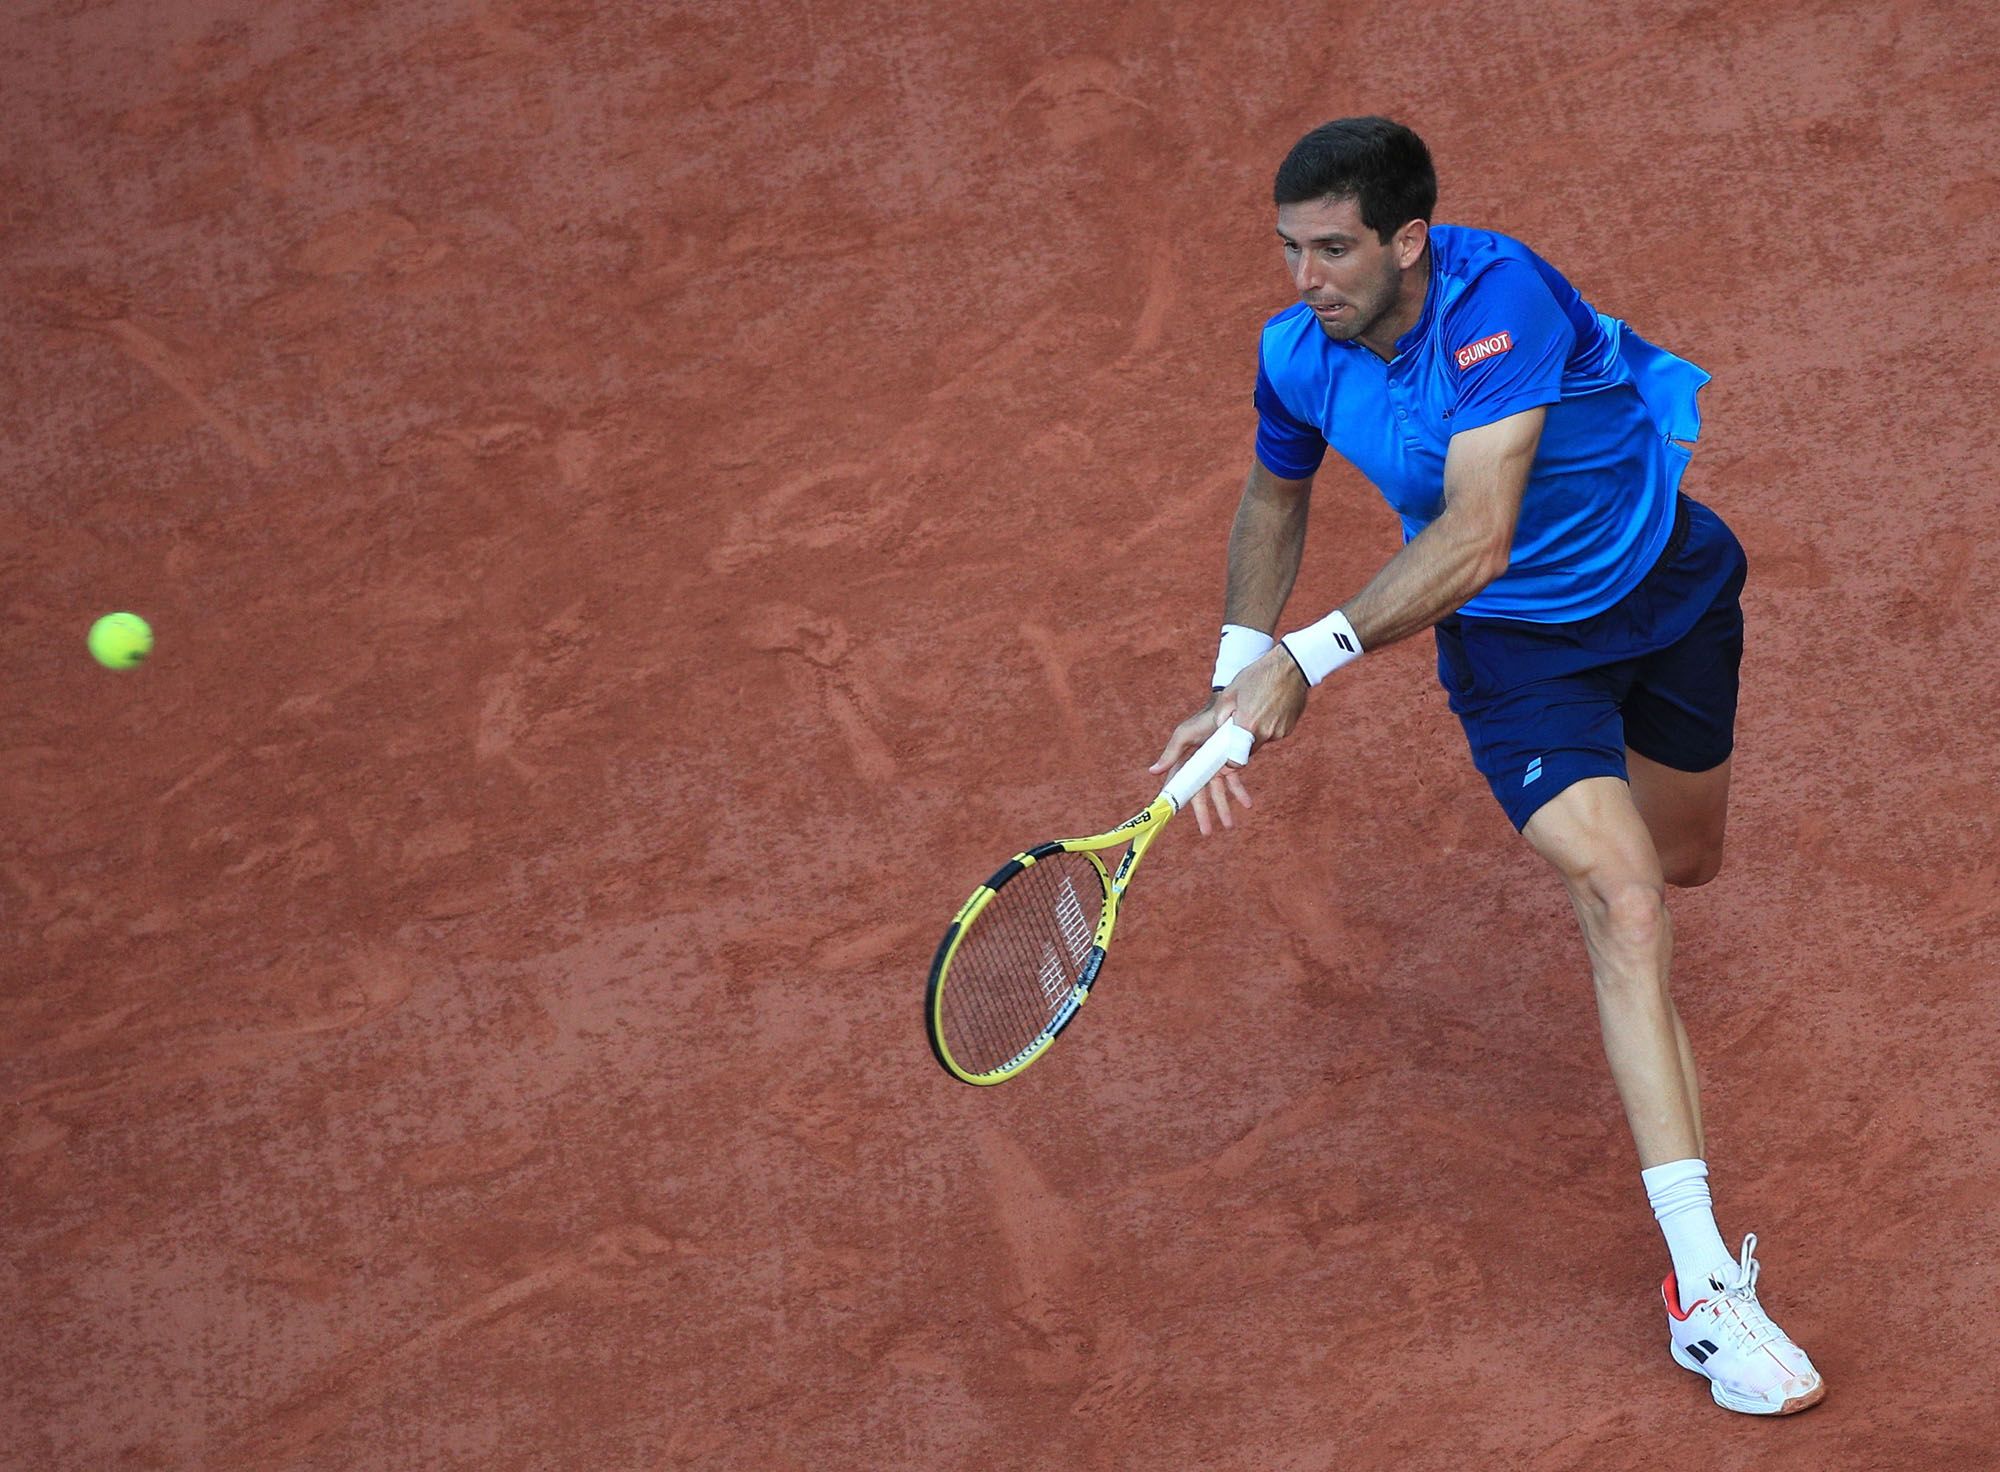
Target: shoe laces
pixel 1736 1310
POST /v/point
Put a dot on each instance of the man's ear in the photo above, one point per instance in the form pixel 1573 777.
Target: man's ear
pixel 1409 243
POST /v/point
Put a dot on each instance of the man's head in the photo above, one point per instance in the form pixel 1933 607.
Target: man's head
pixel 1354 201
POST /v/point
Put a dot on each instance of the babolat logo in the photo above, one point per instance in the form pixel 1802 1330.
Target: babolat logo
pixel 1486 347
pixel 1139 822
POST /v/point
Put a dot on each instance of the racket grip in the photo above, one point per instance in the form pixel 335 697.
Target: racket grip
pixel 1230 745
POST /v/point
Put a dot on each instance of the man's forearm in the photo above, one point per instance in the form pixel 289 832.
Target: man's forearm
pixel 1437 571
pixel 1434 574
pixel 1266 543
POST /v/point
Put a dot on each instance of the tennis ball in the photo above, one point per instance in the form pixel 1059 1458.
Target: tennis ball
pixel 120 640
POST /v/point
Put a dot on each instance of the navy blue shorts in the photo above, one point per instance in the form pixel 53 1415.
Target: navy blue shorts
pixel 1546 705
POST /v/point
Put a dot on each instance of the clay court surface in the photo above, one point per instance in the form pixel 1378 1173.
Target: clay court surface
pixel 644 506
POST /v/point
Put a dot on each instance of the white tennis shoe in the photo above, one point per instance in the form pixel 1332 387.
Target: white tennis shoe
pixel 1750 1364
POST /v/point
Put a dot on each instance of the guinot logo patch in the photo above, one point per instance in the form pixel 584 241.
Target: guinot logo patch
pixel 1486 347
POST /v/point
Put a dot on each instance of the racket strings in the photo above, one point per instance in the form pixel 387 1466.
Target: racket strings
pixel 1019 960
pixel 1024 957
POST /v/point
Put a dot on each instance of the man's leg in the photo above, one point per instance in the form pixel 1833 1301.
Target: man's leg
pixel 1686 813
pixel 1594 836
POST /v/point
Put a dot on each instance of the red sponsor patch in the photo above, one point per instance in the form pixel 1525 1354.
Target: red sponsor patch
pixel 1486 347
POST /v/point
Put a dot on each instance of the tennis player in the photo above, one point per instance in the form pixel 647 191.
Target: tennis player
pixel 1586 616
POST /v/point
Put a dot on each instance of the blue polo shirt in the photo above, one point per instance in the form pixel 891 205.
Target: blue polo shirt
pixel 1501 332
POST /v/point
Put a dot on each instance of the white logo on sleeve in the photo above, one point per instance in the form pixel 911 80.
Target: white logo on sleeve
pixel 1486 347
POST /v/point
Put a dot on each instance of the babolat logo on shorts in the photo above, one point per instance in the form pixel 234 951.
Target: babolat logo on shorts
pixel 1486 347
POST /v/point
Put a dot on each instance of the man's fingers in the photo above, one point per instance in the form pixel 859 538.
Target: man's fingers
pixel 1188 735
pixel 1236 787
pixel 1212 808
pixel 1178 746
pixel 1212 804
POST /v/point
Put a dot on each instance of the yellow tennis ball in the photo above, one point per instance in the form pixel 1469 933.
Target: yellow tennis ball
pixel 120 640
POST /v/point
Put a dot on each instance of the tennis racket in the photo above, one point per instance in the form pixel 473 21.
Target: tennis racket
pixel 1021 955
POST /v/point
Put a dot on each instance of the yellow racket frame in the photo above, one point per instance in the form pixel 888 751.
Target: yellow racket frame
pixel 1139 831
pixel 1228 746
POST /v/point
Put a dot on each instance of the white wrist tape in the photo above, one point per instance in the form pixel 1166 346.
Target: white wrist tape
pixel 1323 647
pixel 1241 647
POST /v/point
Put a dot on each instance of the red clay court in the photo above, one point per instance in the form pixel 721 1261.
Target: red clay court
pixel 643 506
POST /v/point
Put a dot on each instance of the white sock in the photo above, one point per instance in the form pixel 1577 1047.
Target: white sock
pixel 1678 1191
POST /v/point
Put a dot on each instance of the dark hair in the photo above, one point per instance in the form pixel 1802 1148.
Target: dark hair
pixel 1382 164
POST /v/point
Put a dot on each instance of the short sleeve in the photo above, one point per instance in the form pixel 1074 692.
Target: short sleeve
pixel 1507 345
pixel 1289 448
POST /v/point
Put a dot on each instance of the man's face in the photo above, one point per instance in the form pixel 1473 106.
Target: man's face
pixel 1343 272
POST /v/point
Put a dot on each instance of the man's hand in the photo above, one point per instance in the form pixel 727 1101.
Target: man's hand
pixel 1266 700
pixel 1211 804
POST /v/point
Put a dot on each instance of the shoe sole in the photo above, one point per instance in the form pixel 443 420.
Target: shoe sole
pixel 1736 1403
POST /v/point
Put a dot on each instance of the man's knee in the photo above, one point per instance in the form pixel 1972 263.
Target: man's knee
pixel 1600 845
pixel 1627 910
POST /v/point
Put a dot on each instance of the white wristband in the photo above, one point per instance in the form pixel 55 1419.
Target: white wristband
pixel 1241 647
pixel 1323 647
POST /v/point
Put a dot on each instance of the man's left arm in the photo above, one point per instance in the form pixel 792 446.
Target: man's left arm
pixel 1449 561
pixel 1435 573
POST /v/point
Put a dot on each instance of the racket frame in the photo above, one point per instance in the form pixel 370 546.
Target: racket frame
pixel 1138 831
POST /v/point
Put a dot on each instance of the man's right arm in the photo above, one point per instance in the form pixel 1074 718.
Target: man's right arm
pixel 1266 543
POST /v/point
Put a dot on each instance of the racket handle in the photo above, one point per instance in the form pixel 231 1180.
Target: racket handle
pixel 1229 746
